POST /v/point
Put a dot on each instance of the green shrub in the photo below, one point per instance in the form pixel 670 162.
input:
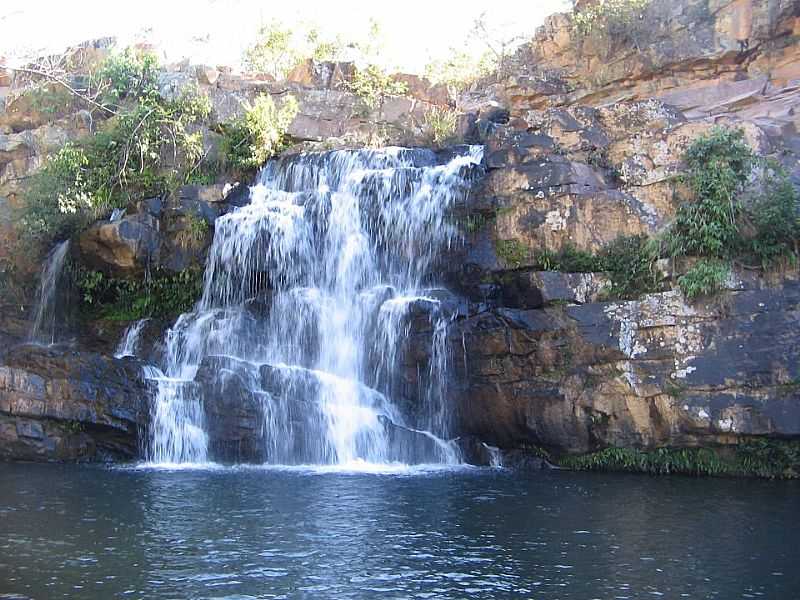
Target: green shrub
pixel 52 99
pixel 630 262
pixel 194 232
pixel 512 253
pixel 718 224
pixel 718 166
pixel 160 295
pixel 459 70
pixel 273 52
pixel 569 260
pixel 128 74
pixel 58 200
pixel 259 134
pixel 372 85
pixel 146 149
pixel 441 124
pixel 753 458
pixel 773 216
pixel 611 19
pixel 706 277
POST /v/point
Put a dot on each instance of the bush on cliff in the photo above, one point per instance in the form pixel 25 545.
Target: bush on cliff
pixel 259 134
pixel 629 262
pixel 160 294
pixel 613 20
pixel 146 147
pixel 441 124
pixel 278 49
pixel 744 210
pixel 372 85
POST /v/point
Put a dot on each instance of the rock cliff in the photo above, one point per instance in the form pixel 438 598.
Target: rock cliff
pixel 585 135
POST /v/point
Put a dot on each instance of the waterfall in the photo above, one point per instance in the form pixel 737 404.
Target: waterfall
pixel 45 323
pixel 309 291
pixel 129 343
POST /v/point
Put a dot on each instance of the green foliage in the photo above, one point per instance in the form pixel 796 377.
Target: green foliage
pixel 278 49
pixel 758 458
pixel 58 200
pixel 475 222
pixel 773 215
pixel 148 148
pixel 630 262
pixel 259 134
pixel 441 124
pixel 719 225
pixel 51 99
pixel 321 49
pixel 512 253
pixel 706 277
pixel 273 51
pixel 372 85
pixel 161 295
pixel 718 167
pixel 194 233
pixel 610 18
pixel 128 74
pixel 569 260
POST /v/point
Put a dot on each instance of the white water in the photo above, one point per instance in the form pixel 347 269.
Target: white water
pixel 307 299
pixel 45 323
pixel 129 344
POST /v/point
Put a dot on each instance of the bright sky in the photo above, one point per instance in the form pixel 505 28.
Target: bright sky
pixel 217 31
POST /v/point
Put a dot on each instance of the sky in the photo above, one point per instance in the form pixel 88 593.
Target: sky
pixel 216 32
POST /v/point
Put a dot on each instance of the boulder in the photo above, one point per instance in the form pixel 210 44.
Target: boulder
pixel 123 247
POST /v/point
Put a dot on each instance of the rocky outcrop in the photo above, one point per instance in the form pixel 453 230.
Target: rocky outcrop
pixel 644 374
pixel 61 404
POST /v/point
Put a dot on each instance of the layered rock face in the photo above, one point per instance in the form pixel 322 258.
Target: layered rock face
pixel 61 404
pixel 642 374
pixel 584 139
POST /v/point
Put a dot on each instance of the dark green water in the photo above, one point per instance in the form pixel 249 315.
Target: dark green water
pixel 89 532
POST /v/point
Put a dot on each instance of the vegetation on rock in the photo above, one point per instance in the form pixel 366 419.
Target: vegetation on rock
pixel 726 221
pixel 278 49
pixel 612 19
pixel 372 85
pixel 774 459
pixel 161 294
pixel 742 210
pixel 704 278
pixel 441 124
pixel 629 262
pixel 259 134
pixel 147 148
pixel 460 70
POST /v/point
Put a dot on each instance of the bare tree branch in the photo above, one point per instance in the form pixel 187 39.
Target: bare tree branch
pixel 69 88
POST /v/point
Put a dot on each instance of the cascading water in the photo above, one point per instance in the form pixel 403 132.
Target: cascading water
pixel 45 324
pixel 129 343
pixel 307 298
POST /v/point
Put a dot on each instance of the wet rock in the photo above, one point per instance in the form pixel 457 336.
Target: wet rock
pixel 61 404
pixel 651 373
pixel 233 411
